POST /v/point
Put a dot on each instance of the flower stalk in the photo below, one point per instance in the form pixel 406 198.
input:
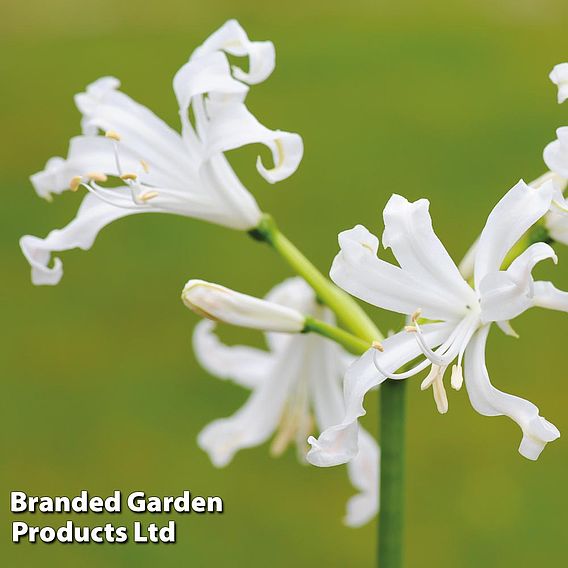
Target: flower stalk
pixel 350 342
pixel 350 314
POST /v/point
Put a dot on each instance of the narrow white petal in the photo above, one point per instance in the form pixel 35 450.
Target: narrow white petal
pixel 489 401
pixel 232 125
pixel 358 271
pixel 256 421
pixel 364 475
pixel 546 295
pixel 466 266
pixel 410 235
pixel 338 444
pixel 244 365
pixel 232 38
pixel 92 216
pixel 559 76
pixel 507 294
pixel 557 226
pixel 555 154
pixel 516 212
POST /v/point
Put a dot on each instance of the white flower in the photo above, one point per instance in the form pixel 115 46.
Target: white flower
pixel 221 304
pixel 296 382
pixel 158 169
pixel 559 76
pixel 461 316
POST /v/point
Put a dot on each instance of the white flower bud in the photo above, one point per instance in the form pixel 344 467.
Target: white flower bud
pixel 559 76
pixel 222 304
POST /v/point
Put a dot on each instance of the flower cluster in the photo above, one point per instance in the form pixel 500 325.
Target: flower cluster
pixel 314 374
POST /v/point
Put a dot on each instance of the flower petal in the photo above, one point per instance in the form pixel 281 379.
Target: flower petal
pixel 507 294
pixel 255 422
pixel 546 295
pixel 559 76
pixel 92 216
pixel 489 401
pixel 142 134
pixel 516 212
pixel 555 154
pixel 364 475
pixel 358 271
pixel 409 233
pixel 557 226
pixel 246 366
pixel 232 125
pixel 232 39
pixel 339 444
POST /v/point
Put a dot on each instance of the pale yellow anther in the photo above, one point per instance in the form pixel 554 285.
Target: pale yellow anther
pixel 129 176
pixel 75 183
pixel 97 176
pixel 113 135
pixel 148 195
pixel 410 328
pixel 145 165
pixel 378 346
pixel 416 314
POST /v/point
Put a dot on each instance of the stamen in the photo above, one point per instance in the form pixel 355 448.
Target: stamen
pixel 130 176
pixel 75 183
pixel 113 135
pixel 410 328
pixel 148 195
pixel 97 176
pixel 416 315
pixel 95 190
pixel 145 166
pixel 440 396
pixel 378 346
pixel 457 377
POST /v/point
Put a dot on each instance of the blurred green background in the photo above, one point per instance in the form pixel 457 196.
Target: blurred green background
pixel 100 389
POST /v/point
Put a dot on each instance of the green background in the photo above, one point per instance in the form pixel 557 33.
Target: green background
pixel 100 389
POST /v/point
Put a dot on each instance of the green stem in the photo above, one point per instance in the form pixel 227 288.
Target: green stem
pixel 391 517
pixel 348 311
pixel 352 343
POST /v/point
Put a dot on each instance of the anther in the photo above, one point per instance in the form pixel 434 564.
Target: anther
pixel 113 135
pixel 75 183
pixel 378 346
pixel 145 165
pixel 410 328
pixel 416 314
pixel 129 176
pixel 148 195
pixel 457 377
pixel 97 176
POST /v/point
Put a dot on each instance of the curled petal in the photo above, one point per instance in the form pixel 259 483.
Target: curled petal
pixel 557 226
pixel 358 271
pixel 559 76
pixel 489 401
pixel 246 366
pixel 364 475
pixel 516 212
pixel 233 126
pixel 92 216
pixel 507 294
pixel 232 38
pixel 556 153
pixel 339 444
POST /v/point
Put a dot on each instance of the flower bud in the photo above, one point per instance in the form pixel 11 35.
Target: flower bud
pixel 221 304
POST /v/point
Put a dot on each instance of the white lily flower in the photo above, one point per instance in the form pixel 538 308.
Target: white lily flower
pixel 428 284
pixel 559 76
pixel 158 169
pixel 294 384
pixel 217 303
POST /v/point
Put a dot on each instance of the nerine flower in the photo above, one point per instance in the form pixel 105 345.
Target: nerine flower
pixel 157 169
pixel 296 388
pixel 449 319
